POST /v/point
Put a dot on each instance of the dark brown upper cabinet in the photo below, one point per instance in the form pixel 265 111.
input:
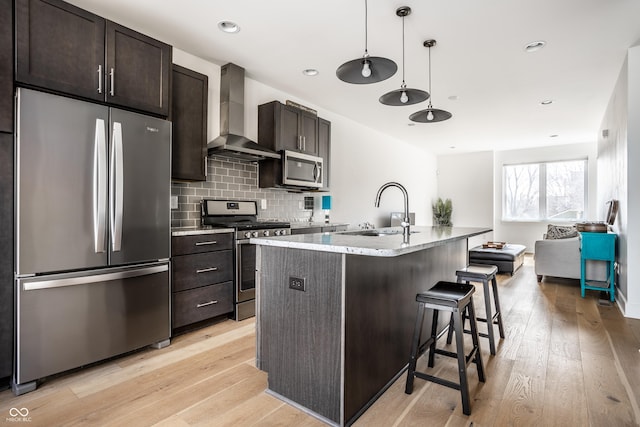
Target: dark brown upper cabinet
pixel 324 149
pixel 6 66
pixel 189 91
pixel 283 127
pixel 63 48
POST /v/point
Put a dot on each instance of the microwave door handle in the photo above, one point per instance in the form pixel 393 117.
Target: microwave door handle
pixel 319 178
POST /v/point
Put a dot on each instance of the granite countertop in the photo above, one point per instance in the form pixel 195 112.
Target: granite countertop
pixel 307 224
pixel 193 231
pixel 386 246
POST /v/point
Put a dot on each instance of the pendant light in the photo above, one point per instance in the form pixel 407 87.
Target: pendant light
pixel 368 69
pixel 403 96
pixel 430 115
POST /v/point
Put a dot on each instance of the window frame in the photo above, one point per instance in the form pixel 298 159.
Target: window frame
pixel 542 190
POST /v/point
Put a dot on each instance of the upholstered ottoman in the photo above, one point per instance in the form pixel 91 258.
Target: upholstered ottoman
pixel 508 259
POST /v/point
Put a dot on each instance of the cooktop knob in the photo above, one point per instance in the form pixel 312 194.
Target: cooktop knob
pixel 265 233
pixel 254 234
pixel 247 234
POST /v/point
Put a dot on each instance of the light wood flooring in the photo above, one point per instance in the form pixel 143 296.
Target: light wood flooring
pixel 565 361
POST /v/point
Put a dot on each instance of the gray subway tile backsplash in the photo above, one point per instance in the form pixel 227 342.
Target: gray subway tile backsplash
pixel 228 179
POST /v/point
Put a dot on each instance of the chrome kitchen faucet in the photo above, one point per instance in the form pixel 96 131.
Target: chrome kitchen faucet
pixel 405 223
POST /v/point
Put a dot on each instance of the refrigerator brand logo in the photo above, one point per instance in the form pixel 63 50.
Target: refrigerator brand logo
pixel 150 129
pixel 18 415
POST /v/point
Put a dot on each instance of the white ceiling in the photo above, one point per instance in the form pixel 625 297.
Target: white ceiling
pixel 479 57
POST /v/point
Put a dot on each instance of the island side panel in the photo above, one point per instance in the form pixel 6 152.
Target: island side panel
pixel 380 314
pixel 301 331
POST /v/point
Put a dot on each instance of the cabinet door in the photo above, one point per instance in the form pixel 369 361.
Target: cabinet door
pixel 289 138
pixel 6 254
pixel 137 70
pixel 59 47
pixel 6 66
pixel 324 149
pixel 189 118
pixel 309 132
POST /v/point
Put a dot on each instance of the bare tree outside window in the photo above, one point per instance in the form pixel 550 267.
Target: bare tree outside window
pixel 539 191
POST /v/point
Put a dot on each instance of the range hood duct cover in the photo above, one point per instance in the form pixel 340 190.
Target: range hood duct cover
pixel 232 142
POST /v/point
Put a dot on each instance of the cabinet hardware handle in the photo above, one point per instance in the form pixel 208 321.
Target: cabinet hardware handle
pixel 112 91
pixel 204 304
pixel 100 78
pixel 304 143
pixel 205 166
pixel 212 242
pixel 206 270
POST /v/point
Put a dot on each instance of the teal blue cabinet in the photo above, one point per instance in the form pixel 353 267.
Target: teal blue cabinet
pixel 598 247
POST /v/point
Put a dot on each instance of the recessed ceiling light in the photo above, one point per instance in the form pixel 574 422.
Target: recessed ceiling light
pixel 411 124
pixel 553 136
pixel 453 97
pixel 228 26
pixel 453 147
pixel 536 45
pixel 546 102
pixel 310 72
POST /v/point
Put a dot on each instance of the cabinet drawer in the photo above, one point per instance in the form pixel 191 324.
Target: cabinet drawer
pixel 183 245
pixel 202 303
pixel 192 271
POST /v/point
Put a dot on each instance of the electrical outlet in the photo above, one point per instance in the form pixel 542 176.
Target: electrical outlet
pixel 263 204
pixel 174 202
pixel 297 283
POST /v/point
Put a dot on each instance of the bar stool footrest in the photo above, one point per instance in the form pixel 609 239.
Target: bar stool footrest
pixel 438 380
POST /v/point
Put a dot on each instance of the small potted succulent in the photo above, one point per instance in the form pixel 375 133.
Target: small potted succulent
pixel 442 210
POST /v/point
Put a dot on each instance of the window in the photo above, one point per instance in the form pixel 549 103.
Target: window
pixel 545 191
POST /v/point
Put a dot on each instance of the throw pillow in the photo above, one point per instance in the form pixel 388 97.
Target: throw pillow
pixel 561 231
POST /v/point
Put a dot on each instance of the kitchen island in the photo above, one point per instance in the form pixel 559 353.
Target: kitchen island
pixel 336 311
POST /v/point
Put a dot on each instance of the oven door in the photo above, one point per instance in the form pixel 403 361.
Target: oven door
pixel 245 271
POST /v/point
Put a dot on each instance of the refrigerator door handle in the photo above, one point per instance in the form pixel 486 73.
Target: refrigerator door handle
pixel 116 188
pixel 83 280
pixel 99 187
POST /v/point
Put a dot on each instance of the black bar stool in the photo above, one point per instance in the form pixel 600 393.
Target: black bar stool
pixel 457 299
pixel 484 273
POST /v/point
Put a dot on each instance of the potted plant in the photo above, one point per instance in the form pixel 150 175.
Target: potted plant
pixel 442 210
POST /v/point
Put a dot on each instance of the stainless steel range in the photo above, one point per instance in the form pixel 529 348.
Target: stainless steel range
pixel 243 217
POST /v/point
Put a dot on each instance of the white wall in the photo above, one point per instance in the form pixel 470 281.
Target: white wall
pixel 467 179
pixel 632 308
pixel 619 158
pixel 361 158
pixel 526 233
pixel 473 182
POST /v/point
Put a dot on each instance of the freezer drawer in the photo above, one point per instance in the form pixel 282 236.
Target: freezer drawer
pixel 65 321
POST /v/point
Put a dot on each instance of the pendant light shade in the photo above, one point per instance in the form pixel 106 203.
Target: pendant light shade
pixel 403 96
pixel 430 115
pixel 368 69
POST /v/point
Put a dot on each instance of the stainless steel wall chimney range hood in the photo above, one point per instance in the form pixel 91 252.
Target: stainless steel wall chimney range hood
pixel 231 142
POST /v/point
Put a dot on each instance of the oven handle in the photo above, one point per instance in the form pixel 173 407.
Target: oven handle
pixel 207 270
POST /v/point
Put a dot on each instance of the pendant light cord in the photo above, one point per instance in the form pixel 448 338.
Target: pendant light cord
pixel 403 83
pixel 430 92
pixel 366 18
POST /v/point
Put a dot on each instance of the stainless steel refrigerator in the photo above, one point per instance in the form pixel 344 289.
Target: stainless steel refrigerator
pixel 92 234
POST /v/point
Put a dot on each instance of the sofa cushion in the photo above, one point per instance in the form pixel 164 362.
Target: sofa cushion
pixel 561 231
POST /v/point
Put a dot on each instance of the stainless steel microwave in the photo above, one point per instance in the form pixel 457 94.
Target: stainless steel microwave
pixel 302 170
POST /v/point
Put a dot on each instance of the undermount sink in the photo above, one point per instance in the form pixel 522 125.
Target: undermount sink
pixel 375 233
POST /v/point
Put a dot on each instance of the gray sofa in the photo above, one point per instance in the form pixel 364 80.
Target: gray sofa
pixel 561 258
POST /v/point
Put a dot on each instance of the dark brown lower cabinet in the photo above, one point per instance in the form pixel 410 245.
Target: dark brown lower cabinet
pixel 6 257
pixel 202 270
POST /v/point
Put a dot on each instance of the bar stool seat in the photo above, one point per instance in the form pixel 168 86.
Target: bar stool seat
pixel 484 273
pixel 456 298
